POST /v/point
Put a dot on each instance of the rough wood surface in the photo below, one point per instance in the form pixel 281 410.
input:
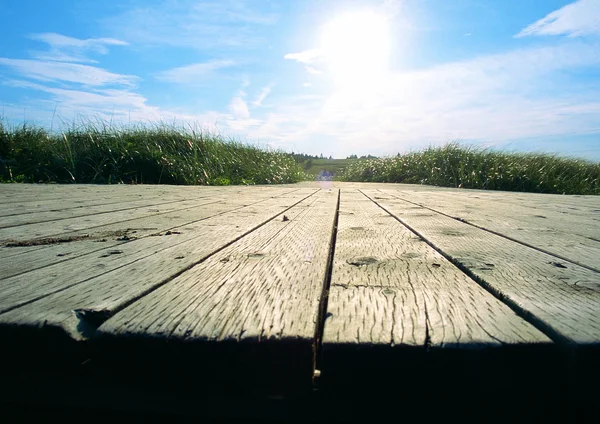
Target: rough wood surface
pixel 81 204
pixel 262 294
pixel 571 237
pixel 111 278
pixel 45 214
pixel 69 225
pixel 389 287
pixel 563 299
pixel 84 242
pixel 233 295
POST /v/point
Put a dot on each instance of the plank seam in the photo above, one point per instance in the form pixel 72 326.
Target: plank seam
pixel 97 213
pixel 464 221
pixel 187 268
pixel 139 259
pixel 133 219
pixel 516 308
pixel 137 238
pixel 322 314
pixel 178 320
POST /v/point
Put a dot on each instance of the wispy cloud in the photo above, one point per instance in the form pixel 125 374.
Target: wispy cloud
pixel 307 56
pixel 194 72
pixel 488 99
pixel 115 105
pixel 266 90
pixel 312 60
pixel 69 49
pixel 66 72
pixel 199 25
pixel 575 19
pixel 239 108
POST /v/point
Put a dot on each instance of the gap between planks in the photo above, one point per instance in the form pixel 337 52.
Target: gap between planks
pixel 561 303
pixel 38 257
pixel 502 233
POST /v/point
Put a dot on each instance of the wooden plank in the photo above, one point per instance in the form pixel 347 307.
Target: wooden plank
pixel 256 303
pixel 574 239
pixel 91 200
pixel 113 235
pixel 390 288
pixel 45 214
pixel 183 248
pixel 395 301
pixel 562 299
pixel 508 207
pixel 165 193
pixel 108 293
pixel 46 193
pixel 65 227
pixel 23 193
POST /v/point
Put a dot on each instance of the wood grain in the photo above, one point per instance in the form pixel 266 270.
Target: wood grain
pixel 257 301
pixel 116 234
pixel 140 261
pixel 572 238
pixel 388 287
pixel 563 299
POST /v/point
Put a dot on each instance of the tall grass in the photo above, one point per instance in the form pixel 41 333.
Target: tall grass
pixel 467 167
pixel 159 154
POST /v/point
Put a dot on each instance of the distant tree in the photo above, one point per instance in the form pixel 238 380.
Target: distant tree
pixel 352 157
pixel 321 157
pixel 330 157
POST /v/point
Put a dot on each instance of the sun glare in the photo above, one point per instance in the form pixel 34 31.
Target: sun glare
pixel 357 48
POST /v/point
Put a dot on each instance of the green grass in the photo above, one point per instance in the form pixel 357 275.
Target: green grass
pixel 160 154
pixel 458 166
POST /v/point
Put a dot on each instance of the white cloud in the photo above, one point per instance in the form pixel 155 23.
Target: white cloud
pixel 489 99
pixel 117 106
pixel 239 108
pixel 67 72
pixel 193 73
pixel 262 95
pixel 190 23
pixel 307 56
pixel 69 49
pixel 575 19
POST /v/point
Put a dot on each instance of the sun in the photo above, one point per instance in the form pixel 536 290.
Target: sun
pixel 356 47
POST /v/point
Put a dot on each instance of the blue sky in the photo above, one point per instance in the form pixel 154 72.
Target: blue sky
pixel 331 77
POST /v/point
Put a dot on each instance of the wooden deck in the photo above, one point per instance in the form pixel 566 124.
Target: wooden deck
pixel 317 301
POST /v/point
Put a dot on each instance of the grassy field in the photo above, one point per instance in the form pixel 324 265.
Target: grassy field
pixel 97 153
pixel 458 166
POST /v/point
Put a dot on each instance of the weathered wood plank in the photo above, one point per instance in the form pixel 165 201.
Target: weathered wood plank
pixel 570 238
pixel 45 214
pixel 24 193
pixel 136 260
pixel 508 207
pixel 389 288
pixel 94 300
pixel 257 301
pixel 73 203
pixel 66 226
pixel 563 299
pixel 113 235
pixel 28 194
